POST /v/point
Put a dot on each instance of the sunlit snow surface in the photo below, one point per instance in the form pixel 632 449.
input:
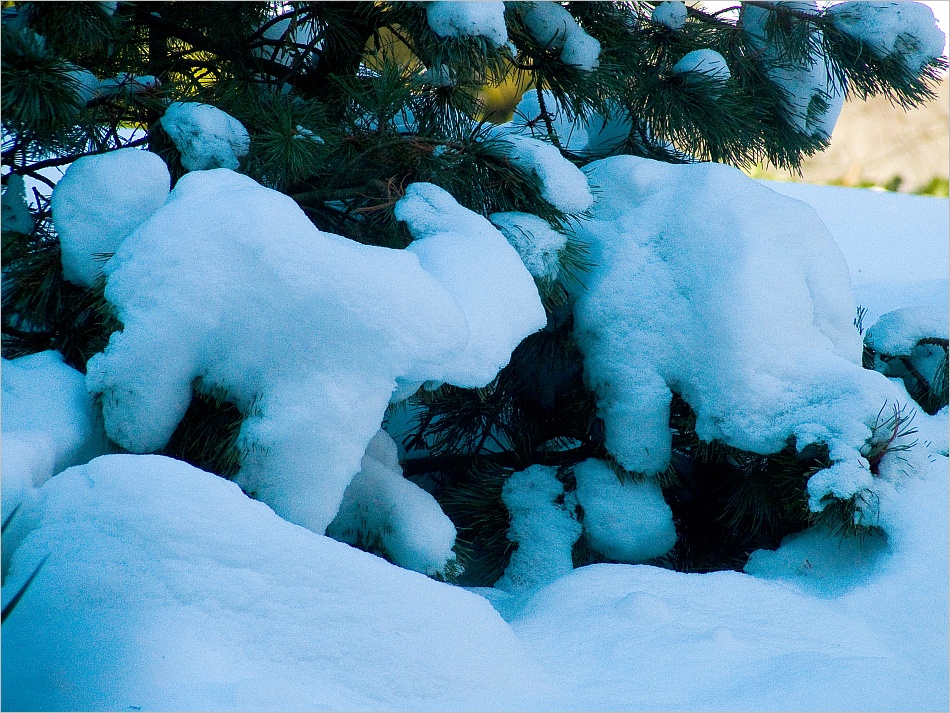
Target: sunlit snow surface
pixel 167 588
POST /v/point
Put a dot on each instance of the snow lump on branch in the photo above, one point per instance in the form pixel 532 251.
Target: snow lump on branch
pixel 468 19
pixel 205 136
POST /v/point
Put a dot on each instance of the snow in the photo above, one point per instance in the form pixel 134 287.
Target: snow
pixel 230 287
pixel 627 522
pixel 48 423
pixel 468 19
pixel 15 211
pixel 897 332
pixel 205 136
pixel 543 526
pixel 572 135
pixel 295 39
pixel 166 588
pixel 671 14
pixel 555 28
pixel 705 62
pixel 906 29
pixel 538 244
pixel 677 303
pixel 563 185
pixel 380 505
pixel 896 245
pixel 99 201
pixel 801 83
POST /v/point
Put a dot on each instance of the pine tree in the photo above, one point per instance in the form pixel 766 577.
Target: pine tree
pixel 346 104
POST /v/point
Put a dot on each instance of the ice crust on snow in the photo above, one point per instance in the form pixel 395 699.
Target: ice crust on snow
pixel 672 14
pixel 166 588
pixel 230 287
pixel 897 332
pixel 468 19
pixel 554 27
pixel 49 423
pixel 906 29
pixel 627 522
pixel 380 505
pixel 801 83
pixel 563 185
pixel 542 524
pixel 205 136
pixel 745 311
pixel 538 244
pixel 101 200
pixel 706 62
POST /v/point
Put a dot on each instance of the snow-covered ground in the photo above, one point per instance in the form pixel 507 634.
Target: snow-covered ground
pixel 166 588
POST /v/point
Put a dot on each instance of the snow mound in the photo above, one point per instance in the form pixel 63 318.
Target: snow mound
pixel 49 423
pixel 906 29
pixel 671 14
pixel 543 526
pixel 468 19
pixel 627 522
pixel 802 84
pixel 897 332
pixel 745 311
pixel 380 505
pixel 205 136
pixel 230 287
pixel 538 244
pixel 99 201
pixel 563 184
pixel 555 28
pixel 166 588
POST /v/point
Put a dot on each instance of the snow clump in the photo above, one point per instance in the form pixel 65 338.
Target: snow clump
pixel 898 332
pixel 380 505
pixel 230 287
pixel 542 524
pixel 554 27
pixel 745 312
pixel 99 201
pixel 288 40
pixel 205 136
pixel 627 522
pixel 563 184
pixel 572 134
pixel 49 423
pixel 801 83
pixel 672 14
pixel 538 244
pixel 905 29
pixel 14 209
pixel 468 19
pixel 705 62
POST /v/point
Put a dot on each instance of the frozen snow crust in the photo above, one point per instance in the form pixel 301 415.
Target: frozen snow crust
pixel 230 287
pixel 735 297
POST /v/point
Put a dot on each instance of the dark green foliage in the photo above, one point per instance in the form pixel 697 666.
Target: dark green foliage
pixel 353 110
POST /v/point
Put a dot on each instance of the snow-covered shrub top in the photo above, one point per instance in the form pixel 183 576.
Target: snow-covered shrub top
pixel 905 29
pixel 99 201
pixel 380 505
pixel 553 26
pixel 538 244
pixel 543 526
pixel 897 332
pixel 205 136
pixel 713 286
pixel 468 19
pixel 801 83
pixel 627 522
pixel 306 332
pixel 48 423
pixel 672 14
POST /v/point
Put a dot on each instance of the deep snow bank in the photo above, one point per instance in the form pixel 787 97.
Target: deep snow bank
pixel 166 588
